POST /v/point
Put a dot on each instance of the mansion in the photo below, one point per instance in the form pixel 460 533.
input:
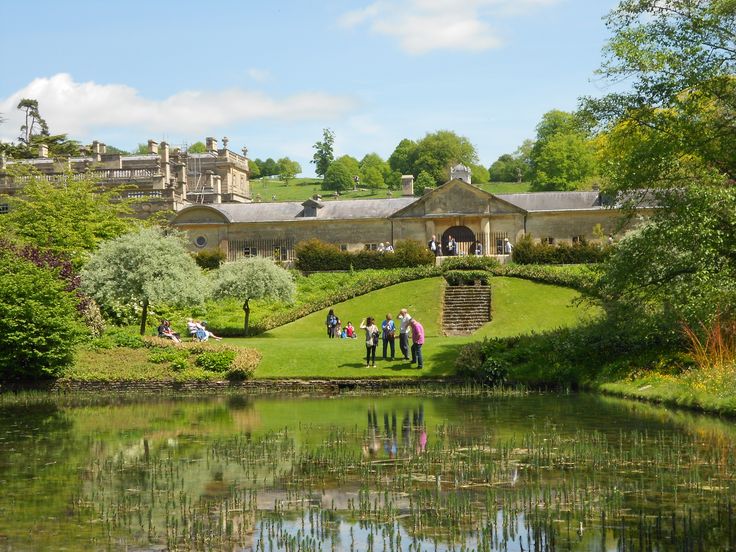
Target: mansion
pixel 161 179
pixel 479 221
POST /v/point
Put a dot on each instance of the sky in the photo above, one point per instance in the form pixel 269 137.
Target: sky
pixel 270 75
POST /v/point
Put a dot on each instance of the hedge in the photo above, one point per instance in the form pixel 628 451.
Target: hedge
pixel 467 277
pixel 528 252
pixel 314 255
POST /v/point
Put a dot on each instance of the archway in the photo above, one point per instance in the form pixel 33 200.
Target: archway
pixel 464 238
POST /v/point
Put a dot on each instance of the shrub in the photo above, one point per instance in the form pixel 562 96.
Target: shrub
pixel 122 338
pixel 314 255
pixel 528 252
pixel 216 361
pixel 40 322
pixel 243 365
pixel 467 277
pixel 470 359
pixel 210 260
pixel 170 354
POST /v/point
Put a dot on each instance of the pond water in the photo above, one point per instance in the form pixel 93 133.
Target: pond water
pixel 400 473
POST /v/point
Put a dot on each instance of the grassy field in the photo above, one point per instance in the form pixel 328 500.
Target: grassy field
pixel 301 349
pixel 301 189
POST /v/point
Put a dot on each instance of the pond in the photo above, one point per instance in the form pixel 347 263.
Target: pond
pixel 407 472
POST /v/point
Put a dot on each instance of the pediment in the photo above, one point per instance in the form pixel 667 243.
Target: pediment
pixel 457 198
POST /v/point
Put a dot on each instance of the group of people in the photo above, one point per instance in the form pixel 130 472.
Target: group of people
pixel 451 248
pixel 196 330
pixel 408 328
pixel 385 247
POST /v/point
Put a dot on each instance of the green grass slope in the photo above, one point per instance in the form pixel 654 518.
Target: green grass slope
pixel 301 348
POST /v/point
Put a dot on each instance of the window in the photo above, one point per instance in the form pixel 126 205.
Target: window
pixel 578 239
pixel 200 241
pixel 246 251
pixel 548 240
pixel 343 247
pixel 4 208
pixel 371 247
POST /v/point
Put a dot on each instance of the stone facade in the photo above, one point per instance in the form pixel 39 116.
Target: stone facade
pixel 162 179
pixel 479 221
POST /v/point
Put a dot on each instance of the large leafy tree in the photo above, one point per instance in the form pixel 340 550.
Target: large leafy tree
pixel 438 151
pixel 71 216
pixel 323 152
pixel 516 167
pixel 673 133
pixel 144 268
pixel 563 156
pixel 254 278
pixel 337 178
pixel 401 158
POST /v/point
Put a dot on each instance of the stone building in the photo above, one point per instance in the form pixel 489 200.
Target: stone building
pixel 479 221
pixel 164 178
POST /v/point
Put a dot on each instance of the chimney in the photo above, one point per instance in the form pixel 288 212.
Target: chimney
pixel 103 148
pixel 43 151
pixel 407 185
pixel 3 161
pixel 211 143
pixel 152 146
pixel 96 147
pixel 164 152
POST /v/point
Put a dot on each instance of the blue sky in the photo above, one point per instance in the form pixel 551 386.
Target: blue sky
pixel 271 75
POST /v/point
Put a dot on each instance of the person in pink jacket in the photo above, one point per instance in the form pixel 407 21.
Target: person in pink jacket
pixel 417 338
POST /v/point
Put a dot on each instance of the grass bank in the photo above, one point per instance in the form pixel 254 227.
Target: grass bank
pixel 301 349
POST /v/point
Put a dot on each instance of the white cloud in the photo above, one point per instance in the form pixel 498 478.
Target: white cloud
pixel 81 108
pixel 421 26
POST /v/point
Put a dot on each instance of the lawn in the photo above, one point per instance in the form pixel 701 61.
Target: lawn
pixel 301 189
pixel 301 348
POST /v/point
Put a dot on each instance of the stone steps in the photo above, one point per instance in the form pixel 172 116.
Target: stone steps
pixel 465 309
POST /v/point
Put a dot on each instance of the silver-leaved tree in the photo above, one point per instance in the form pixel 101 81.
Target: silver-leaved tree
pixel 255 278
pixel 143 268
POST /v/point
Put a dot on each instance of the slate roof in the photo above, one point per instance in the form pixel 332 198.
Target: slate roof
pixel 555 201
pixel 341 209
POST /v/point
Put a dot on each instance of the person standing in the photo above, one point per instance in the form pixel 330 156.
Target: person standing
pixel 404 319
pixel 451 246
pixel 371 340
pixel 331 324
pixel 417 338
pixel 507 247
pixel 388 334
pixel 433 246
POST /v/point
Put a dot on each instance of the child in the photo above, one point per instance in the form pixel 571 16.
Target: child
pixel 350 330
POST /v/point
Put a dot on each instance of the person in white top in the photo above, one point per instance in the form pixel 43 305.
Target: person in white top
pixel 404 320
pixel 371 340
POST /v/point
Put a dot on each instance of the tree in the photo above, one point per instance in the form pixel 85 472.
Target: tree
pixel 34 124
pixel 254 168
pixel 196 147
pixel 516 167
pixel 337 178
pixel 401 160
pixel 565 162
pixel 41 325
pixel 288 169
pixel 373 179
pixel 437 152
pixel 423 182
pixel 351 164
pixel 563 156
pixel 144 268
pixel 269 167
pixel 254 278
pixel 376 161
pixel 323 154
pixel 71 217
pixel 672 133
pixel 479 174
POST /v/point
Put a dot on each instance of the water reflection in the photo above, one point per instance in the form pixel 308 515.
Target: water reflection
pixel 391 473
pixel 413 434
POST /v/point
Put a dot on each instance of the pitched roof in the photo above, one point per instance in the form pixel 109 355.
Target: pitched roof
pixel 292 210
pixel 555 201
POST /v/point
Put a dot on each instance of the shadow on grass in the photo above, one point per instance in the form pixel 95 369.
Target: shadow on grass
pixel 441 360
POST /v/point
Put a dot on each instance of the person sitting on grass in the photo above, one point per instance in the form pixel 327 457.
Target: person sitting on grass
pixel 165 332
pixel 350 330
pixel 202 333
